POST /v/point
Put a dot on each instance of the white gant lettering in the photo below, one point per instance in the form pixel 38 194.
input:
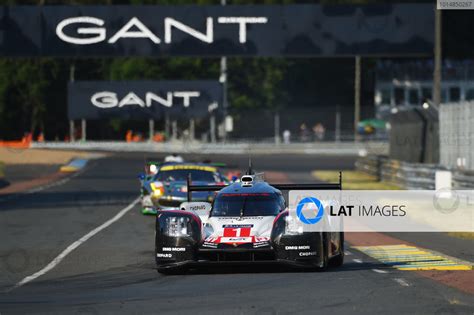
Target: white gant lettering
pixel 136 29
pixel 107 99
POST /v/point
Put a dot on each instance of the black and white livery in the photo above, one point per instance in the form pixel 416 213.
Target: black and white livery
pixel 246 223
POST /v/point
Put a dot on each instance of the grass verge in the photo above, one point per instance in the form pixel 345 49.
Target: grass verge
pixel 464 235
pixel 355 180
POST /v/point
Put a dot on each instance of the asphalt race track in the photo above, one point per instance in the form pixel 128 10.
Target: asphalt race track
pixel 113 270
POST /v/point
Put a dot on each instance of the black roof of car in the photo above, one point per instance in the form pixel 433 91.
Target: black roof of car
pixel 256 188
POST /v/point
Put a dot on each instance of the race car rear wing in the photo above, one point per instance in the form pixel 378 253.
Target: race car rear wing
pixel 158 164
pixel 315 186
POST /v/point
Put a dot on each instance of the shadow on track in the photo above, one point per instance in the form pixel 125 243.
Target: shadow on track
pixel 275 268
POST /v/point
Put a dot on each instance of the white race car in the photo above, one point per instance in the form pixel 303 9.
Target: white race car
pixel 247 223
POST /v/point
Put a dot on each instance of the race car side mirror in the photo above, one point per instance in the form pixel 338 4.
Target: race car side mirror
pixel 141 176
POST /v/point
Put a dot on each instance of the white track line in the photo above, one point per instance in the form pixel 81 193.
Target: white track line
pixel 357 261
pixel 56 183
pixel 380 271
pixel 75 245
pixel 348 253
pixel 402 282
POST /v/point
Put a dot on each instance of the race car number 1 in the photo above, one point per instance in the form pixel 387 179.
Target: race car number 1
pixel 237 232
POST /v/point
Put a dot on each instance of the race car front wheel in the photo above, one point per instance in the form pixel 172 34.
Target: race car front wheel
pixel 325 253
pixel 179 270
pixel 338 260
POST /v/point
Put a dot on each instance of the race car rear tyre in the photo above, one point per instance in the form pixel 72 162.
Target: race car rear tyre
pixel 325 249
pixel 338 260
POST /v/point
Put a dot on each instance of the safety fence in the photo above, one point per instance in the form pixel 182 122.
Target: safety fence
pixel 456 122
pixel 412 175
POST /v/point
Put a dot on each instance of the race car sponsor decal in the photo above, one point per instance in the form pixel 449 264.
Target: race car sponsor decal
pixel 239 218
pixel 236 239
pixel 261 244
pixel 258 241
pixel 197 207
pixel 188 167
pixel 210 245
pixel 305 254
pixel 211 239
pixel 245 194
pixel 174 249
pixel 297 247
pixel 163 255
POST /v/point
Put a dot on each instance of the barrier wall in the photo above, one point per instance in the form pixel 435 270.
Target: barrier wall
pixel 412 175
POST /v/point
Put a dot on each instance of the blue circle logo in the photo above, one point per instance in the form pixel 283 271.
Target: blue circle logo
pixel 310 200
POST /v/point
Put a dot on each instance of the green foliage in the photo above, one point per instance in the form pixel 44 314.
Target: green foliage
pixel 25 88
pixel 115 124
pixel 176 68
pixel 257 83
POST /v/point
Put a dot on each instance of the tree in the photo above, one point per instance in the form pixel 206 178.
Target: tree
pixel 257 83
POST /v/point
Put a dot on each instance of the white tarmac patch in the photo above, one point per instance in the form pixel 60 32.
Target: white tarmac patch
pixel 401 282
pixel 56 261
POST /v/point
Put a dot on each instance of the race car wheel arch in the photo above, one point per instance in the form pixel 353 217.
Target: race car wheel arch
pixel 306 248
pixel 173 249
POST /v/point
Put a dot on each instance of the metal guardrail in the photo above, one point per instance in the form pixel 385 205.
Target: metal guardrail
pixel 320 148
pixel 411 175
pixel 463 179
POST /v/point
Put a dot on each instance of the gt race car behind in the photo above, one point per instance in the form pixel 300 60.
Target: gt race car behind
pixel 246 223
pixel 166 189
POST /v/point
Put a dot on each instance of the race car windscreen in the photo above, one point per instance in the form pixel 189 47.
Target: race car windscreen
pixel 182 175
pixel 234 205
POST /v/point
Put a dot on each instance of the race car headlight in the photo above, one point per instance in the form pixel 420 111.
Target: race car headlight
pixel 177 226
pixel 292 227
pixel 158 189
pixel 153 169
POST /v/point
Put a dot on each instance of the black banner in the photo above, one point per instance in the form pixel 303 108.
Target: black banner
pixel 143 99
pixel 247 30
